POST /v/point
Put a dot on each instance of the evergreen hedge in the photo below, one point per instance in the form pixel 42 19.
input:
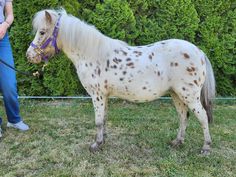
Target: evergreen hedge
pixel 211 25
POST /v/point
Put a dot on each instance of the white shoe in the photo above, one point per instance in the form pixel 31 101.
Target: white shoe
pixel 20 126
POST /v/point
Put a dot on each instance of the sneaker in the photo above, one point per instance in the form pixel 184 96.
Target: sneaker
pixel 20 126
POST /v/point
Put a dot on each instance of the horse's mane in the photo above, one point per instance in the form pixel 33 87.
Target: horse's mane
pixel 77 35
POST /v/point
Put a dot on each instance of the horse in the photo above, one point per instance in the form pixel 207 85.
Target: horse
pixel 110 67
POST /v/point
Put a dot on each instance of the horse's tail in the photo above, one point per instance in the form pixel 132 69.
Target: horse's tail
pixel 208 90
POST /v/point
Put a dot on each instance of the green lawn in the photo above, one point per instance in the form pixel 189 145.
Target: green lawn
pixel 137 143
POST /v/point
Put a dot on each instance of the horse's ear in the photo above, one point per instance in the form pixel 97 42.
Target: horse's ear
pixel 48 17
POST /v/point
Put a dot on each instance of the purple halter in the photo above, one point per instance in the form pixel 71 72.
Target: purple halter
pixel 40 49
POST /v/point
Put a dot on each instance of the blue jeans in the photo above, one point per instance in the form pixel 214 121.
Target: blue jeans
pixel 8 84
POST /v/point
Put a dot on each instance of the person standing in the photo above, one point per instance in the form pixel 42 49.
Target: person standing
pixel 8 83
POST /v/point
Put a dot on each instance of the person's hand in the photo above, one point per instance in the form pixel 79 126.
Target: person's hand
pixel 3 29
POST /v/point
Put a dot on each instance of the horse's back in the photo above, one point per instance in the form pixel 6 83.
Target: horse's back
pixel 144 73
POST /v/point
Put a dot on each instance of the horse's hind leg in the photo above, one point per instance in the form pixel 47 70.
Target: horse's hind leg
pixel 200 113
pixel 182 110
pixel 100 105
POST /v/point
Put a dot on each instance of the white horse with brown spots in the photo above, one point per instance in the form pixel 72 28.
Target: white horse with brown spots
pixel 109 67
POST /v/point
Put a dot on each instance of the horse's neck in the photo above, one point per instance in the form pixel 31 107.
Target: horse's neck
pixel 79 55
pixel 80 40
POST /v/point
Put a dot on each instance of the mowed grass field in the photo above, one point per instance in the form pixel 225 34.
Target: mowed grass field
pixel 137 142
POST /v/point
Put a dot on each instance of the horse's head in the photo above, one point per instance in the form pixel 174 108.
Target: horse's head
pixel 45 44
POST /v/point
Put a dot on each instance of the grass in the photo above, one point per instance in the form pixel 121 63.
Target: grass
pixel 137 143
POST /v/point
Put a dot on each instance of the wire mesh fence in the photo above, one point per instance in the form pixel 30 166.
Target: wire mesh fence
pixel 76 99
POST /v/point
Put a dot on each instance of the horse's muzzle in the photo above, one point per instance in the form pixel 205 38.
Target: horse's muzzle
pixel 33 58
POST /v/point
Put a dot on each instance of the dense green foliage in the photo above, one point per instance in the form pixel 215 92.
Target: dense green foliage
pixel 211 25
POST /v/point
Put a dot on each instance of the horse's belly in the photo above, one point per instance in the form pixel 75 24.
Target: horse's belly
pixel 140 90
pixel 137 97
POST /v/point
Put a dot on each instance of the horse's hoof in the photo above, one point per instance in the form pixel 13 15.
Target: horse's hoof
pixel 95 147
pixel 176 143
pixel 205 152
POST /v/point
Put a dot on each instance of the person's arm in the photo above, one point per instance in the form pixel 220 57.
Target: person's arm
pixel 9 14
pixel 9 19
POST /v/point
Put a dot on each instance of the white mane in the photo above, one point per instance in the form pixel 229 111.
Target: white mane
pixel 77 35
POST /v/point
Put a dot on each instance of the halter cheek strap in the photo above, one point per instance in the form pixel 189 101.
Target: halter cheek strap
pixel 40 49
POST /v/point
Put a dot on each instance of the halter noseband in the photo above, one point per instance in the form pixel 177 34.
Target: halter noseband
pixel 40 49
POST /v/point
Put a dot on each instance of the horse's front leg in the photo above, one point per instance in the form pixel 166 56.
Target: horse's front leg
pixel 100 104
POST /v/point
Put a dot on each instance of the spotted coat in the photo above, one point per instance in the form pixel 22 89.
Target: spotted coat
pixel 109 67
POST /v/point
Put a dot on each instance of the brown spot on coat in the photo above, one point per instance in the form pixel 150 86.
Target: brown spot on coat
pixel 173 64
pixel 195 82
pixel 108 63
pixel 99 71
pixel 116 60
pixel 186 56
pixel 190 84
pixel 130 64
pixel 114 66
pixel 190 69
pixel 138 53
pixel 128 59
pixel 116 51
pixel 150 57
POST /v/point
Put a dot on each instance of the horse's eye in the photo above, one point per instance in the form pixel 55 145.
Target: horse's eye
pixel 42 32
